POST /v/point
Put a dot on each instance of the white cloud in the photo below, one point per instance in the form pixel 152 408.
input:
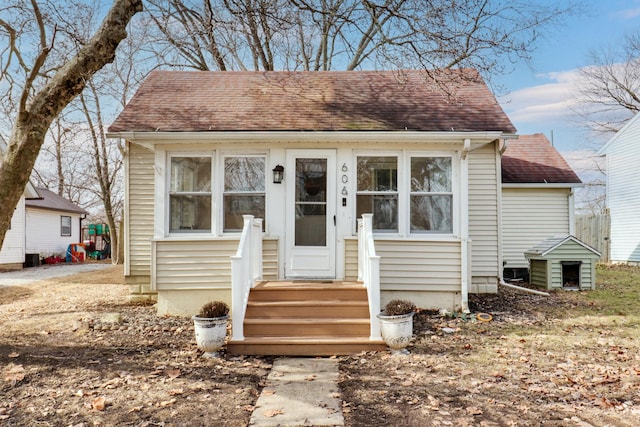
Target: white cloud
pixel 628 13
pixel 547 102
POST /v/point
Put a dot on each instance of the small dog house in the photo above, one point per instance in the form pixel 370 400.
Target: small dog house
pixel 562 262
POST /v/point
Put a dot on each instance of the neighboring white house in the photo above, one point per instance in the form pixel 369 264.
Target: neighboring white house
pixel 623 192
pixel 53 223
pixel 12 255
pixel 537 198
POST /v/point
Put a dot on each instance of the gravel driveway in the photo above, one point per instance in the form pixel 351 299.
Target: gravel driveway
pixel 44 272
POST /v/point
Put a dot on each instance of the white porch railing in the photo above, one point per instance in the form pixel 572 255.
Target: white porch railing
pixel 246 268
pixel 369 271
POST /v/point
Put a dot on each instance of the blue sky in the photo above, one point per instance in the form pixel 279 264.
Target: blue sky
pixel 539 95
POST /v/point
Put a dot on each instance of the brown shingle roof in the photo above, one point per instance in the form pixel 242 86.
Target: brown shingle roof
pixel 531 159
pixel 52 201
pixel 328 101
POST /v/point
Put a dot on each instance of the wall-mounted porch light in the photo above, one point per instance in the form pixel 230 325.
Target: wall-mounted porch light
pixel 278 174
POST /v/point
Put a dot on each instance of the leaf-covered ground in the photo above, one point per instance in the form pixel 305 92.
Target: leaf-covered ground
pixel 74 353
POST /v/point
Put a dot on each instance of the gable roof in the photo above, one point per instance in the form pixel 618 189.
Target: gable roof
pixel 552 243
pixel 54 202
pixel 531 159
pixel 605 149
pixel 201 101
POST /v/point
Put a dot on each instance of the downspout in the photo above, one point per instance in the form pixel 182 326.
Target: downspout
pixel 82 218
pixel 464 223
pixel 522 289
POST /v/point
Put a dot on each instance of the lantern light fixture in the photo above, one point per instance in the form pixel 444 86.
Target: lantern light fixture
pixel 278 174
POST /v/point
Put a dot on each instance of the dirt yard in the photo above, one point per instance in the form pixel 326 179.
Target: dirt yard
pixel 74 353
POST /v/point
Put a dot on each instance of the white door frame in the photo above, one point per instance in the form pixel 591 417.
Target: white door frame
pixel 310 261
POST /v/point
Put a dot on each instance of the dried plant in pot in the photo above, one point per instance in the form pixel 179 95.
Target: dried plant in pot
pixel 396 325
pixel 210 326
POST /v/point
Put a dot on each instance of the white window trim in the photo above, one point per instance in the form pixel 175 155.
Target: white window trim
pixel 354 188
pixel 62 234
pixel 220 186
pixel 455 173
pixel 167 188
pixel 404 187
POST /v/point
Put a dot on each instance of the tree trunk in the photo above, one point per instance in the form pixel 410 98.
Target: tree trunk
pixel 34 118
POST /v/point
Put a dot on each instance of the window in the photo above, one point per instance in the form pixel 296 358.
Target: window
pixel 244 190
pixel 190 194
pixel 431 195
pixel 65 225
pixel 377 191
pixel 407 193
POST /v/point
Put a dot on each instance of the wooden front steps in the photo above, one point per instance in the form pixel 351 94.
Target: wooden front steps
pixel 306 318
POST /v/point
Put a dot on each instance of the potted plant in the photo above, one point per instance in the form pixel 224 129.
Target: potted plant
pixel 210 325
pixel 396 325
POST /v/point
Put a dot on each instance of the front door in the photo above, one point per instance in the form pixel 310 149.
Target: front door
pixel 310 217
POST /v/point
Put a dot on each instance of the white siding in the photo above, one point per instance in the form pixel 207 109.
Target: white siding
pixel 141 209
pixel 44 232
pixel 14 242
pixel 530 216
pixel 412 265
pixel 203 264
pixel 623 194
pixel 483 212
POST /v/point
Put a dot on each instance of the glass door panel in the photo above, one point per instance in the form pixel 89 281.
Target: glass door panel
pixel 311 202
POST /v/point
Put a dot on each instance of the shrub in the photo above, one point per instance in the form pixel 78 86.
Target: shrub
pixel 398 307
pixel 214 309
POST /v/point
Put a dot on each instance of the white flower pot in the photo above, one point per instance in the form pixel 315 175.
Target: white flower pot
pixel 210 334
pixel 397 331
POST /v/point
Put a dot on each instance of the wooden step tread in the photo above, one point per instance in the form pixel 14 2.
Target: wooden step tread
pixel 310 346
pixel 308 303
pixel 303 285
pixel 306 340
pixel 306 321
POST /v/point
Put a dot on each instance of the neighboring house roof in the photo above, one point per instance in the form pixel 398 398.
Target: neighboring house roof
pixel 52 201
pixel 552 243
pixel 605 149
pixel 531 159
pixel 206 101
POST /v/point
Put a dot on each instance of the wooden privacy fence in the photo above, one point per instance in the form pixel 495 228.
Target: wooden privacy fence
pixel 594 230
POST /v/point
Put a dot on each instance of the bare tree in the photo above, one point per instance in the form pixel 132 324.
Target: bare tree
pixel 610 87
pixel 45 89
pixel 348 34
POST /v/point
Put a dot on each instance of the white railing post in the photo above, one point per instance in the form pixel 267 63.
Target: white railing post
pixel 246 266
pixel 256 247
pixel 361 249
pixel 369 271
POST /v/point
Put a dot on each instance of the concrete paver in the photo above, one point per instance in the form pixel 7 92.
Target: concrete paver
pixel 300 392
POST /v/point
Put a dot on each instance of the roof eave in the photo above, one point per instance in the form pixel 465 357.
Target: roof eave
pixel 309 136
pixel 543 185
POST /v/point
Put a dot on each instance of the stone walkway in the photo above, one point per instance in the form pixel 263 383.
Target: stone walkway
pixel 300 392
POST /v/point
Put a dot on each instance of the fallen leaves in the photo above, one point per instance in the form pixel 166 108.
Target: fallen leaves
pixel 13 373
pixel 99 404
pixel 273 412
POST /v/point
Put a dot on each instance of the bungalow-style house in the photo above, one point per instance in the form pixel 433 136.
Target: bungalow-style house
pixel 12 254
pixel 537 199
pixel 53 223
pixel 622 153
pixel 384 182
